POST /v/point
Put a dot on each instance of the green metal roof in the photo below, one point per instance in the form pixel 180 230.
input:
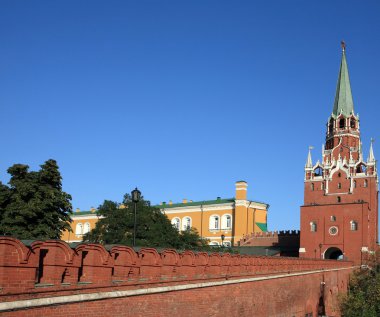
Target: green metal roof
pixel 83 213
pixel 262 226
pixel 197 203
pixel 343 97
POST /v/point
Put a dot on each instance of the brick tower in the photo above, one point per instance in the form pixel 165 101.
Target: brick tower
pixel 339 217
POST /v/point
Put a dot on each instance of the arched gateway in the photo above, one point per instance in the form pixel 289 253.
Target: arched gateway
pixel 334 253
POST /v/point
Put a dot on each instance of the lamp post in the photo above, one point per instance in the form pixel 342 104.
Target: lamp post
pixel 222 237
pixel 136 195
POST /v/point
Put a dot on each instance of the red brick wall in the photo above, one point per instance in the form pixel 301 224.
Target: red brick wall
pixel 259 286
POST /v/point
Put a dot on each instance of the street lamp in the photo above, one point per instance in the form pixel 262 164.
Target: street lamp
pixel 222 237
pixel 136 195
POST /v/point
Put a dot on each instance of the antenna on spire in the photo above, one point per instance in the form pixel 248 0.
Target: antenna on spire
pixel 343 45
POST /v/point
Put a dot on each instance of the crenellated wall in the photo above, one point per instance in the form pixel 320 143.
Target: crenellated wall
pixel 46 278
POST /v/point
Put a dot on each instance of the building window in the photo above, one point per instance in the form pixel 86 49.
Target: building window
pixel 79 229
pixel 176 223
pixel 86 228
pixel 313 227
pixel 333 218
pixel 312 186
pixel 339 185
pixel 365 183
pixel 214 222
pixel 338 199
pixel 352 123
pixel 186 223
pixel 226 222
pixel 323 186
pixel 354 184
pixel 353 225
pixel 341 123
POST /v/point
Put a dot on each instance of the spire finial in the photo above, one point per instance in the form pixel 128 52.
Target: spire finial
pixel 309 162
pixel 343 44
pixel 371 157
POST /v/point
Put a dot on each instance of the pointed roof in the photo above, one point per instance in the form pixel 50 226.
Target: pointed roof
pixel 371 157
pixel 309 162
pixel 343 97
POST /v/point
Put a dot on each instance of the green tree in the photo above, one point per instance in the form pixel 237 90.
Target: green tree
pixel 34 205
pixel 154 229
pixel 363 298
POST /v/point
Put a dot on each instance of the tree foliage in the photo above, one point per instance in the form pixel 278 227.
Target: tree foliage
pixel 154 229
pixel 363 298
pixel 34 206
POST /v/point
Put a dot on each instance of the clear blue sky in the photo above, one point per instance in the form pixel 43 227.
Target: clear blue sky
pixel 181 98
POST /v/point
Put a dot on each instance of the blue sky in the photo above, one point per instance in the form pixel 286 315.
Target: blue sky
pixel 181 98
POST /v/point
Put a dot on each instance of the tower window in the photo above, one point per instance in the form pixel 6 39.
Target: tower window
pixel 353 123
pixel 341 123
pixel 338 199
pixel 365 183
pixel 353 225
pixel 354 184
pixel 333 218
pixel 318 171
pixel 312 186
pixel 313 226
pixel 339 185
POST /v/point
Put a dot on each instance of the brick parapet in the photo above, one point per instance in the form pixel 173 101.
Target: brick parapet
pixel 51 267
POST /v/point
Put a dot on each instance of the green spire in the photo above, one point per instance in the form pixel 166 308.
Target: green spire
pixel 343 97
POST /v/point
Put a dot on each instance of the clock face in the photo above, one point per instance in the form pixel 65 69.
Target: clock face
pixel 333 230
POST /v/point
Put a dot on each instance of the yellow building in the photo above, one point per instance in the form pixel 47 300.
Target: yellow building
pixel 83 222
pixel 233 218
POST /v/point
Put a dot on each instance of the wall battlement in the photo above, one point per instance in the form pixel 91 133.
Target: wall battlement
pixel 32 268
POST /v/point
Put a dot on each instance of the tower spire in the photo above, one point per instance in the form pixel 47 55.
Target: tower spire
pixel 371 157
pixel 309 162
pixel 343 97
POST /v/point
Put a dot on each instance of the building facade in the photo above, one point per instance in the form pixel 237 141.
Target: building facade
pixel 339 217
pixel 220 219
pixel 230 219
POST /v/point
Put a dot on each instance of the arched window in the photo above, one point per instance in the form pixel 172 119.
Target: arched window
pixel 338 199
pixel 313 226
pixel 318 171
pixel 333 218
pixel 353 225
pixel 86 228
pixel 341 123
pixel 176 223
pixel 312 186
pixel 186 223
pixel 79 229
pixel 353 123
pixel 365 183
pixel 339 185
pixel 226 222
pixel 214 222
